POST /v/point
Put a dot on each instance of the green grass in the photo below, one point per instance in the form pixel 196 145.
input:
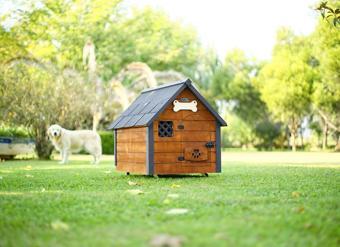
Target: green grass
pixel 280 201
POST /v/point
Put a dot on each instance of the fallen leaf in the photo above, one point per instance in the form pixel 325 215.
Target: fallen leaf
pixel 166 201
pixel 175 186
pixel 165 240
pixel 300 209
pixel 295 194
pixel 308 225
pixel 28 176
pixel 135 192
pixel 132 183
pixel 59 225
pixel 173 196
pixel 28 168
pixel 177 211
pixel 221 235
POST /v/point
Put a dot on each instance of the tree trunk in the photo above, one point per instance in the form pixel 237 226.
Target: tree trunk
pixel 337 145
pixel 293 136
pixel 96 119
pixel 89 60
pixel 43 146
pixel 293 133
pixel 325 136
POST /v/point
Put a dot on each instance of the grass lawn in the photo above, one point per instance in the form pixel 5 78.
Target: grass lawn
pixel 260 199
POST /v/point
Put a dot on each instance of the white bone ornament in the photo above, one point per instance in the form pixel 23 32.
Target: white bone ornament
pixel 191 106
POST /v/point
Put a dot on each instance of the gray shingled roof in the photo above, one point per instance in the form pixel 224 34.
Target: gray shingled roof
pixel 153 101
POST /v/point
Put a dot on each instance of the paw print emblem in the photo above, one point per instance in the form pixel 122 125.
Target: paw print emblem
pixel 196 153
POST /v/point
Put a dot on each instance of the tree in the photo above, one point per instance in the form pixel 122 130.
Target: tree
pixel 286 81
pixel 233 83
pixel 326 97
pixel 56 32
pixel 36 95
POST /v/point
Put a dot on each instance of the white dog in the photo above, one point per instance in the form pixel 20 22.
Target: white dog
pixel 71 141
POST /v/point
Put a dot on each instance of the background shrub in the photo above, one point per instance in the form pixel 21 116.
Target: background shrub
pixel 107 141
pixel 13 131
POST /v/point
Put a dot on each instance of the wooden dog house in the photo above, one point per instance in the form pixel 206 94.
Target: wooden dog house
pixel 170 129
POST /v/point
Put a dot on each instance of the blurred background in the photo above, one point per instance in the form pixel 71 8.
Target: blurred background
pixel 270 68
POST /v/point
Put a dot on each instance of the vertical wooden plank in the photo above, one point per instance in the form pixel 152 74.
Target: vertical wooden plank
pixel 149 150
pixel 218 147
pixel 115 146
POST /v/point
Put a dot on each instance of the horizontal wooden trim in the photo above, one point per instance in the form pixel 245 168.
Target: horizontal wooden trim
pixel 138 136
pixel 161 158
pixel 129 130
pixel 191 125
pixel 132 167
pixel 131 147
pixel 169 114
pixel 131 157
pixel 173 147
pixel 187 136
pixel 179 168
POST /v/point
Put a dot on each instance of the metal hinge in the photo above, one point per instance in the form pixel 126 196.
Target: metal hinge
pixel 180 127
pixel 210 144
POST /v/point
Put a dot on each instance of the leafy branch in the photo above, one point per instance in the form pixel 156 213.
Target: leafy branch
pixel 328 12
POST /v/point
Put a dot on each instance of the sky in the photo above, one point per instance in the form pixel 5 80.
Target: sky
pixel 223 25
pixel 249 25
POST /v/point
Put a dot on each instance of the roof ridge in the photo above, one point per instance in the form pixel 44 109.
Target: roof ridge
pixel 187 81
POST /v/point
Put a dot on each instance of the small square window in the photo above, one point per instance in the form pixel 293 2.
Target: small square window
pixel 165 129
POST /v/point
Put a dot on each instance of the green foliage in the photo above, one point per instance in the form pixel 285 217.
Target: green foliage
pixel 120 36
pixel 239 135
pixel 286 82
pixel 107 138
pixel 326 96
pixel 13 131
pixel 36 96
pixel 328 12
pixel 233 82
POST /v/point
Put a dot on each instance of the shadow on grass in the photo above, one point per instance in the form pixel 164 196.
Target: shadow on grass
pixel 168 176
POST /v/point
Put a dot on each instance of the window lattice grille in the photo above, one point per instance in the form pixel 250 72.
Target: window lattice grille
pixel 165 129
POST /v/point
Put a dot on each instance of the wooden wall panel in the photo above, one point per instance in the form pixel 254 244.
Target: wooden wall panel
pixel 131 150
pixel 199 128
pixel 131 137
pixel 202 113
